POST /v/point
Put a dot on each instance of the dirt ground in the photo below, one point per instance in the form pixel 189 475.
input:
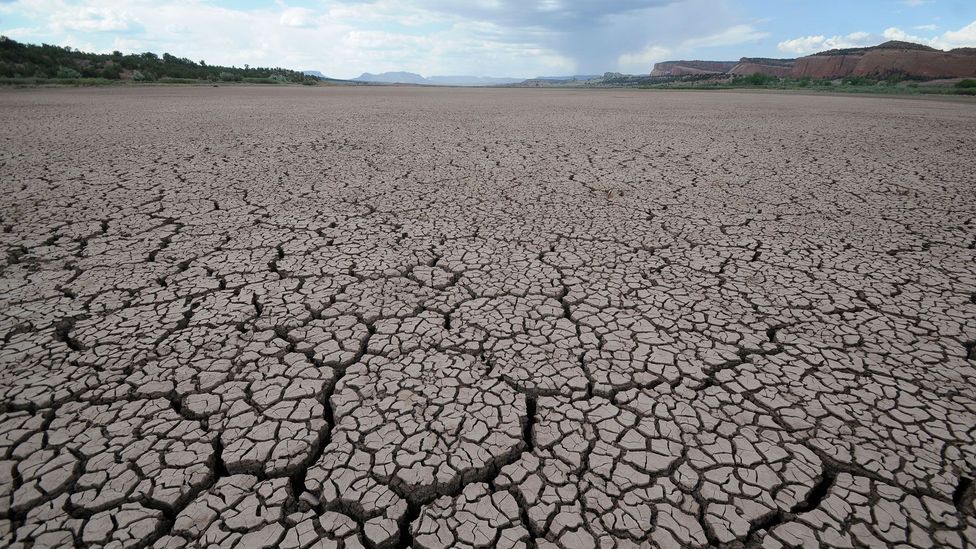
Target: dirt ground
pixel 390 317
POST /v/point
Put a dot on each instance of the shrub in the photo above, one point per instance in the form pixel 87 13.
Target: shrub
pixel 858 81
pixel 229 77
pixel 112 72
pixel 966 84
pixel 140 76
pixel 757 79
pixel 66 72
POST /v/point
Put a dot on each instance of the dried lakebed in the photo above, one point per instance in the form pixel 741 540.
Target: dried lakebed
pixel 251 317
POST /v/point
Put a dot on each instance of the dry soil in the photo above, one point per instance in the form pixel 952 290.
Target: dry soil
pixel 320 317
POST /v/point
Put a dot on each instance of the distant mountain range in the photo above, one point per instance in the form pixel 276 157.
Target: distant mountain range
pixel 892 58
pixel 414 78
pixel 402 77
pixel 471 80
pixel 570 77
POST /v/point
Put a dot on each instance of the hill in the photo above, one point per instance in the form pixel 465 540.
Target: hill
pixel 891 58
pixel 391 78
pixel 894 58
pixel 47 61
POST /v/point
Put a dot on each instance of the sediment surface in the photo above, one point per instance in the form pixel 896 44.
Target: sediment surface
pixel 256 317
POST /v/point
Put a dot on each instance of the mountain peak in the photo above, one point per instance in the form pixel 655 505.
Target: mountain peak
pixel 397 77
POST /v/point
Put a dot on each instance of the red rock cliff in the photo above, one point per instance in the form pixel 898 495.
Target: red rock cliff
pixel 773 67
pixel 883 62
pixel 901 58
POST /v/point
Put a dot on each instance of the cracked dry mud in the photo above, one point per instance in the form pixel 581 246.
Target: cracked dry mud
pixel 472 318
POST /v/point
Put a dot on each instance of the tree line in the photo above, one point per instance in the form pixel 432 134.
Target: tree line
pixel 18 60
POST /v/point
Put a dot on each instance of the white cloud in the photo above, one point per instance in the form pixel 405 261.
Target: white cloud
pixel 894 33
pixel 642 61
pixel 927 28
pixel 802 45
pixel 346 37
pixel 738 34
pixel 297 18
pixel 87 46
pixel 962 38
pixel 342 39
pixel 806 45
pixel 91 19
pixel 914 3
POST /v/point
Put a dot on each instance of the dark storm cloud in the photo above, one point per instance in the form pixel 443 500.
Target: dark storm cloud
pixel 594 33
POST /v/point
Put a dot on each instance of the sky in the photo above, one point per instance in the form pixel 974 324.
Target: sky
pixel 513 38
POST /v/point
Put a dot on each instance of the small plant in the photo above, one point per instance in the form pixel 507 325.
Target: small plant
pixel 139 76
pixel 858 81
pixel 894 79
pixel 66 72
pixel 757 79
pixel 966 84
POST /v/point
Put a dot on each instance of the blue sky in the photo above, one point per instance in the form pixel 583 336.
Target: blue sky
pixel 520 38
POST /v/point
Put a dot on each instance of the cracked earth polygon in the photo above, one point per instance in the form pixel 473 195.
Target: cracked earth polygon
pixel 391 317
